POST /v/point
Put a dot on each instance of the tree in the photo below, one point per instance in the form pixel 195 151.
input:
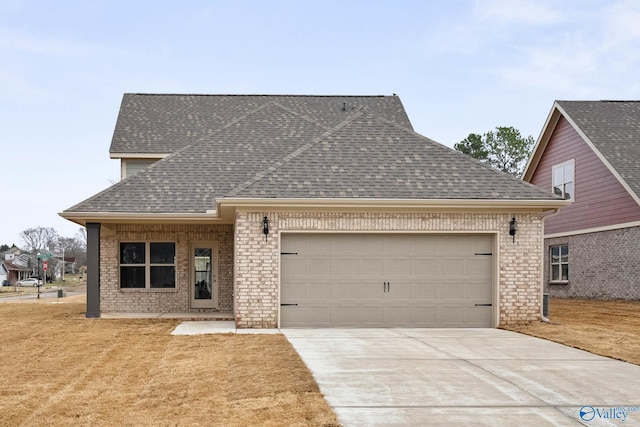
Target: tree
pixel 504 149
pixel 39 239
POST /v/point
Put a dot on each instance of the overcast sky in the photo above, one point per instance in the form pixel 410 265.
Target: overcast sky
pixel 459 66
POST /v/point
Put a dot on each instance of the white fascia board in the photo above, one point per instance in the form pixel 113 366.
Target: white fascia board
pixel 133 217
pixel 541 144
pixel 138 155
pixel 393 203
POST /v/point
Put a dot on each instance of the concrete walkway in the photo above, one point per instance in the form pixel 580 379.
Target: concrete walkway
pixel 398 377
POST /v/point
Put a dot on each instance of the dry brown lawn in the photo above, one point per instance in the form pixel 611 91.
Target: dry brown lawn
pixel 607 328
pixel 60 369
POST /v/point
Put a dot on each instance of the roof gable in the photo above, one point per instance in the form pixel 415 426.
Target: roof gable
pixel 610 128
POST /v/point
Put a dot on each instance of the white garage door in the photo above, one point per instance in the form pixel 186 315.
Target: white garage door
pixel 378 280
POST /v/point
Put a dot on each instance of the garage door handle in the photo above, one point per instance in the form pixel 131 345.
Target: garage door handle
pixel 484 305
pixel 283 305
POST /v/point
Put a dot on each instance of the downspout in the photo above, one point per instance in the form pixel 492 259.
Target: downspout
pixel 555 212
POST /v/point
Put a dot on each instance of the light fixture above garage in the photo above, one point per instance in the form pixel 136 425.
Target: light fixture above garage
pixel 265 227
pixel 513 228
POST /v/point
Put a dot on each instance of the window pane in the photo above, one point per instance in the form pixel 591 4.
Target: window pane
pixel 162 253
pixel 568 190
pixel 565 272
pixel 564 254
pixel 568 172
pixel 163 277
pixel 132 277
pixel 558 177
pixel 555 272
pixel 555 254
pixel 132 253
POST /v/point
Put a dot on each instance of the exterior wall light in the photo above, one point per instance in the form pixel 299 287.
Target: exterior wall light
pixel 513 228
pixel 265 227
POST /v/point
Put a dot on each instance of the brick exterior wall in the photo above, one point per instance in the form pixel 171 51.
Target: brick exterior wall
pixel 114 299
pixel 603 265
pixel 256 271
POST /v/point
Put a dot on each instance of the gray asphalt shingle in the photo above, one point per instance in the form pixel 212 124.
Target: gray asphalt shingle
pixel 369 157
pixel 275 151
pixel 163 123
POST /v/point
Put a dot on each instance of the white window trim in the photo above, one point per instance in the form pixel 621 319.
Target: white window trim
pixel 147 264
pixel 559 264
pixel 571 162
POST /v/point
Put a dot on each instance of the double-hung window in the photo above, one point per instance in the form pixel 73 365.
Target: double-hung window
pixel 563 179
pixel 147 265
pixel 559 263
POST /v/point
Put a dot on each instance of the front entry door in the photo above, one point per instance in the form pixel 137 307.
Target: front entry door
pixel 204 275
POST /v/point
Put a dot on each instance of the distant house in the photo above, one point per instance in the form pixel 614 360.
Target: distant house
pixel 589 153
pixel 307 211
pixel 16 267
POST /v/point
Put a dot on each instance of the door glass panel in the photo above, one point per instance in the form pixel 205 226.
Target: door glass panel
pixel 203 273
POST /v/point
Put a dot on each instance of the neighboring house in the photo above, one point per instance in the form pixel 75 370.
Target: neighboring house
pixel 589 153
pixel 308 211
pixel 15 268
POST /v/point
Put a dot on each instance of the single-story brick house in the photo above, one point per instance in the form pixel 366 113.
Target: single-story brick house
pixel 308 211
pixel 589 152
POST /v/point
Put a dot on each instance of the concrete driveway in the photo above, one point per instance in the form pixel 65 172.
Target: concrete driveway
pixel 465 377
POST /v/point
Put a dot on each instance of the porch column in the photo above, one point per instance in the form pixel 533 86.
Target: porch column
pixel 93 269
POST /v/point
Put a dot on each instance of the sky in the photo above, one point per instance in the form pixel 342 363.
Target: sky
pixel 459 67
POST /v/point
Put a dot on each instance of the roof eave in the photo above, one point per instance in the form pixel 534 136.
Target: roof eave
pixel 122 155
pixel 83 218
pixel 391 203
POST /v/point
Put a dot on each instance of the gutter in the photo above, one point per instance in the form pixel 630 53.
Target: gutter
pixel 390 203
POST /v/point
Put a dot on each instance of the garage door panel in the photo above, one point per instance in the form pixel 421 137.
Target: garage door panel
pixel 296 267
pixel 349 267
pixel 398 267
pixel 479 266
pixel 318 267
pixel 480 292
pixel 370 291
pixel 346 291
pixel 341 280
pixel 424 291
pixel 425 267
pixel 343 315
pixel 371 315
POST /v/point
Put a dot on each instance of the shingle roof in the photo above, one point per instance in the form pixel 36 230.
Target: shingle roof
pixel 614 129
pixel 369 157
pixel 274 152
pixel 162 124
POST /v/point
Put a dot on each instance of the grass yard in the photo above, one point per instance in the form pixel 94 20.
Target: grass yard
pixel 60 369
pixel 607 328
